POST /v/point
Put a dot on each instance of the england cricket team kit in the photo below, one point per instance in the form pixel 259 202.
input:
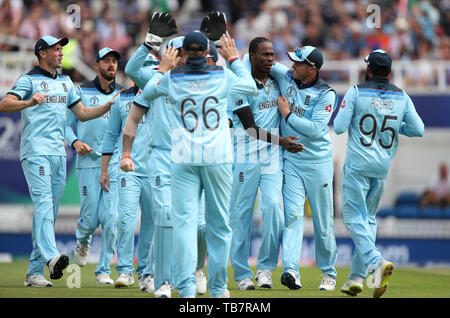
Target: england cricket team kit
pixel 98 207
pixel 256 164
pixel 43 156
pixel 202 158
pixel 375 113
pixel 309 172
pixel 133 187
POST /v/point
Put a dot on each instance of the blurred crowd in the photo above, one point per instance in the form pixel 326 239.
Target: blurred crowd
pixel 411 30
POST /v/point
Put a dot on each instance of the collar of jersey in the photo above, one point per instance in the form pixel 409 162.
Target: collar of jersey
pixel 196 62
pixel 300 85
pixel 378 79
pixel 97 84
pixel 45 73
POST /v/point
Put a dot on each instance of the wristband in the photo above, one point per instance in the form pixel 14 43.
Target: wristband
pixel 232 59
pixel 123 157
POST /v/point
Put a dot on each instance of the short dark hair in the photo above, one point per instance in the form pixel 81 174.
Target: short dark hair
pixel 380 71
pixel 253 46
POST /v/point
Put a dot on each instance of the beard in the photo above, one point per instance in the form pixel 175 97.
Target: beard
pixel 106 76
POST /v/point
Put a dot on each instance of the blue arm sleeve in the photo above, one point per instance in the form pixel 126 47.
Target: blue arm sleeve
pixel 240 80
pixel 278 72
pixel 135 67
pixel 22 88
pixel 71 122
pixel 345 114
pixel 412 125
pixel 73 97
pixel 113 128
pixel 321 115
pixel 157 86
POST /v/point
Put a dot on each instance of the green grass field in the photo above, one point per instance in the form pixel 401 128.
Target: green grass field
pixel 404 283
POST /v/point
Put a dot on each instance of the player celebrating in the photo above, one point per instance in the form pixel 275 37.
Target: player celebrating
pixel 208 166
pixel 306 107
pixel 97 207
pixel 251 114
pixel 134 192
pixel 40 96
pixel 374 112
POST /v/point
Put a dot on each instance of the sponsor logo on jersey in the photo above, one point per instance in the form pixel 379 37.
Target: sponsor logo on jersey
pixel 64 87
pixel 94 100
pixel 307 100
pixel 290 91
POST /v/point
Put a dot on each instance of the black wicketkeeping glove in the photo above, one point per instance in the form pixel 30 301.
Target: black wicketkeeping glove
pixel 162 26
pixel 214 25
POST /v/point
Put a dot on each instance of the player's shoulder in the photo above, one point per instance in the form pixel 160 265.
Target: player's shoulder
pixel 87 85
pixel 129 92
pixel 187 69
pixel 380 85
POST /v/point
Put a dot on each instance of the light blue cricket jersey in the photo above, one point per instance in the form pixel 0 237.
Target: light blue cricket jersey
pixel 43 126
pixel 264 107
pixel 114 132
pixel 311 108
pixel 91 132
pixel 375 112
pixel 198 94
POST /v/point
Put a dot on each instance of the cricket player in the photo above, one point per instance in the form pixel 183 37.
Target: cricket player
pixel 134 193
pixel 374 112
pixel 42 96
pixel 257 163
pixel 98 207
pixel 201 154
pixel 306 107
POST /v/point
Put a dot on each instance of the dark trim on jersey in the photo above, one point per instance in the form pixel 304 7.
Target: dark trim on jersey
pixel 247 119
pixel 258 85
pixel 17 95
pixel 133 90
pixel 38 70
pixel 107 153
pixel 95 83
pixel 139 105
pixel 74 103
pixel 71 145
pixel 287 117
pixel 196 64
pixel 380 83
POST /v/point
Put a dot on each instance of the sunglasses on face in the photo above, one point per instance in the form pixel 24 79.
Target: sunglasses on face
pixel 299 54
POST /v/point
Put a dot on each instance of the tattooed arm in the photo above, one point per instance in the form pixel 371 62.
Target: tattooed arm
pixel 129 133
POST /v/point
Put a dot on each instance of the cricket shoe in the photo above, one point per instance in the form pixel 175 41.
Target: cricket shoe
pixel 57 264
pixel 165 291
pixel 381 277
pixel 264 278
pixel 226 294
pixel 353 287
pixel 104 279
pixel 246 284
pixel 200 281
pixel 291 280
pixel 328 283
pixel 124 280
pixel 81 254
pixel 36 280
pixel 146 283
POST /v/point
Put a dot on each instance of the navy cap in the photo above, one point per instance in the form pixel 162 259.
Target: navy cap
pixel 198 38
pixel 213 54
pixel 378 59
pixel 307 54
pixel 103 52
pixel 48 41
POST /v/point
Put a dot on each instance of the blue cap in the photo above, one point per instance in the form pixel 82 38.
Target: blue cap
pixel 103 52
pixel 198 38
pixel 213 54
pixel 307 54
pixel 176 42
pixel 378 59
pixel 48 41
